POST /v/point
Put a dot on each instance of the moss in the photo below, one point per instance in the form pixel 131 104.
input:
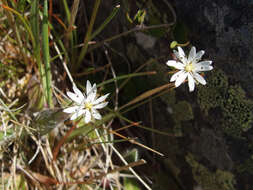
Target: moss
pixel 237 112
pixel 247 166
pixel 219 180
pixel 213 94
pixel 233 110
pixel 182 111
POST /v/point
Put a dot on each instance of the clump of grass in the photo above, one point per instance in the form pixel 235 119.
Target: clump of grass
pixel 40 147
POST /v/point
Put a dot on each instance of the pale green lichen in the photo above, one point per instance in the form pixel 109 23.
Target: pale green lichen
pixel 233 110
pixel 218 180
pixel 213 94
pixel 237 112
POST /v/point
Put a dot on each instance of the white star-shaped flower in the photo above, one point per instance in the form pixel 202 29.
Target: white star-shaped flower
pixel 86 104
pixel 189 67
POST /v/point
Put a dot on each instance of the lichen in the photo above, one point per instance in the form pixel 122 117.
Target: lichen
pixel 237 112
pixel 233 110
pixel 213 94
pixel 218 180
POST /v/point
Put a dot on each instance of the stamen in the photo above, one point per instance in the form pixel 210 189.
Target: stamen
pixel 88 105
pixel 189 67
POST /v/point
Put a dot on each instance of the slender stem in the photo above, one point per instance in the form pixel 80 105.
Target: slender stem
pixel 46 56
pixel 136 29
pixel 88 34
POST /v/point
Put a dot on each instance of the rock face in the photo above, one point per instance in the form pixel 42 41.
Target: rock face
pixel 213 125
pixel 224 29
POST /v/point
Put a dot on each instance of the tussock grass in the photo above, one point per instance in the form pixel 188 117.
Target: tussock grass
pixel 40 148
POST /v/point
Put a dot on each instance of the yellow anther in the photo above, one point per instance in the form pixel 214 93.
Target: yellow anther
pixel 189 67
pixel 88 105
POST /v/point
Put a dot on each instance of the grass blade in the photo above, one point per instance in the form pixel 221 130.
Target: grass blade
pixel 88 34
pixel 107 21
pixel 46 56
pixel 126 76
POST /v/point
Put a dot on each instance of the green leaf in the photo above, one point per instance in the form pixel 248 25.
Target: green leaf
pixel 9 132
pixel 132 155
pixel 48 119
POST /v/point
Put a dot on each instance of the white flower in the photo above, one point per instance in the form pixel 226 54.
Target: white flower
pixel 86 104
pixel 189 67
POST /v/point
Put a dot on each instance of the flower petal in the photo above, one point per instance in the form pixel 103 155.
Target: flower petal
pixel 191 82
pixel 99 106
pixel 71 109
pixel 77 114
pixel 199 55
pixel 176 54
pixel 180 51
pixel 203 66
pixel 96 114
pixel 199 78
pixel 92 95
pixel 175 76
pixel 181 54
pixel 75 97
pixel 192 54
pixel 101 99
pixel 87 117
pixel 78 92
pixel 88 87
pixel 176 64
pixel 180 79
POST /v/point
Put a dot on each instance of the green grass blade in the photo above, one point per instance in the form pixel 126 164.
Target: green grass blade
pixel 23 20
pixel 107 21
pixel 46 56
pixel 143 127
pixel 88 34
pixel 86 129
pixel 36 33
pixel 126 76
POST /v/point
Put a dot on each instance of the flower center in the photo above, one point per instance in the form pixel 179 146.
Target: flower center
pixel 189 67
pixel 88 105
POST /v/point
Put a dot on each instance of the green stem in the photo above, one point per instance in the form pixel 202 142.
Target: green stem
pixel 136 29
pixel 88 34
pixel 46 56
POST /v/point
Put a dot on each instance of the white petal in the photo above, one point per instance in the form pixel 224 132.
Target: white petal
pixel 180 55
pixel 180 51
pixel 78 92
pixel 88 87
pixel 192 54
pixel 175 76
pixel 176 54
pixel 101 99
pixel 96 115
pixel 199 78
pixel 191 82
pixel 71 109
pixel 92 95
pixel 175 64
pixel 99 106
pixel 203 66
pixel 181 78
pixel 75 97
pixel 199 55
pixel 77 114
pixel 87 117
